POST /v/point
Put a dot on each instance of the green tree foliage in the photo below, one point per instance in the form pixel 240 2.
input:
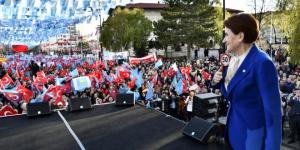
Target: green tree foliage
pixel 189 21
pixel 35 50
pixel 83 45
pixel 126 27
pixel 284 5
pixel 284 16
pixel 294 44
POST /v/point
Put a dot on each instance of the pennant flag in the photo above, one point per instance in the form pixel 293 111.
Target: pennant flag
pixel 81 83
pixel 158 64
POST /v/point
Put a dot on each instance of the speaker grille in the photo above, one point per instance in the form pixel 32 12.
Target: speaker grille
pixel 198 129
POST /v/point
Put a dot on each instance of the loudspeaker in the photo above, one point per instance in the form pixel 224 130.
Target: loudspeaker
pixel 37 109
pixel 206 105
pixel 80 104
pixel 125 99
pixel 200 129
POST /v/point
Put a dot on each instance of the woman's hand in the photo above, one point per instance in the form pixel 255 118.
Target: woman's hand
pixel 218 76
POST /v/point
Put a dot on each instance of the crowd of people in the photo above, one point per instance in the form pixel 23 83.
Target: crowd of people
pixel 174 86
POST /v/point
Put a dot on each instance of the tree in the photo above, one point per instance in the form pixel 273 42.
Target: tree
pixel 294 46
pixel 82 45
pixel 284 5
pixel 125 27
pixel 165 29
pixel 36 49
pixel 188 21
pixel 259 8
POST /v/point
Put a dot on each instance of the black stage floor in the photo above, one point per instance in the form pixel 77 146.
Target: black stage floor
pixel 104 127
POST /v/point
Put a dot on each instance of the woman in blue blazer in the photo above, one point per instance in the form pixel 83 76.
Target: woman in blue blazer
pixel 250 84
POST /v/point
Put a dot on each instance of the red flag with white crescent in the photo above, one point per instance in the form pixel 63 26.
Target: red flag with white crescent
pixel 6 80
pixel 7 111
pixel 26 94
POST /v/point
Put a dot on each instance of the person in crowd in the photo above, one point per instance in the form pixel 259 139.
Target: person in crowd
pixel 34 67
pixel 189 105
pixel 294 116
pixel 250 84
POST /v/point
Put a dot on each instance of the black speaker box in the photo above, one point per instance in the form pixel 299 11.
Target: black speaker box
pixel 125 99
pixel 80 104
pixel 205 105
pixel 38 109
pixel 200 129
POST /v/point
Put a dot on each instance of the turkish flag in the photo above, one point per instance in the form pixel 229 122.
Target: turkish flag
pixel 13 97
pixel 20 48
pixel 205 75
pixel 41 78
pixel 26 94
pixel 6 80
pixel 58 96
pixel 131 83
pixel 7 111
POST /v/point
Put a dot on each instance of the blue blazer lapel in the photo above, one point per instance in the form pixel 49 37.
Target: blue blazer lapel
pixel 243 69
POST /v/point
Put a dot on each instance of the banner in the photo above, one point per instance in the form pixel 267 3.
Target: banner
pixel 115 55
pixel 20 48
pixel 146 59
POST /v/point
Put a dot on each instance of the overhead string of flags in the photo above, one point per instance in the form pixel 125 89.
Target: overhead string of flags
pixel 33 21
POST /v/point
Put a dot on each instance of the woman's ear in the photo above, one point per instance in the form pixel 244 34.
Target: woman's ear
pixel 241 36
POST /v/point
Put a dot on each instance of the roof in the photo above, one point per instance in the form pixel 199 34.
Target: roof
pixel 147 5
pixel 234 10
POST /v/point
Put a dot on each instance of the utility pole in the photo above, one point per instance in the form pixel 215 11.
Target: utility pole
pixel 223 49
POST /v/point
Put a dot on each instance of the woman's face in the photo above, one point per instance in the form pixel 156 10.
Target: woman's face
pixel 232 41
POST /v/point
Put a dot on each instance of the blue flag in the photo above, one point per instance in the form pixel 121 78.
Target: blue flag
pixel 123 89
pixel 149 94
pixel 136 94
pixel 174 82
pixel 139 80
pixel 81 83
pixel 158 64
pixel 58 81
pixel 134 73
pixel 179 87
pixel 179 75
pixel 74 73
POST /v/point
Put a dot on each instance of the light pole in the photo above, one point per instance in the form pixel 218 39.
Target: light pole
pixel 223 44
